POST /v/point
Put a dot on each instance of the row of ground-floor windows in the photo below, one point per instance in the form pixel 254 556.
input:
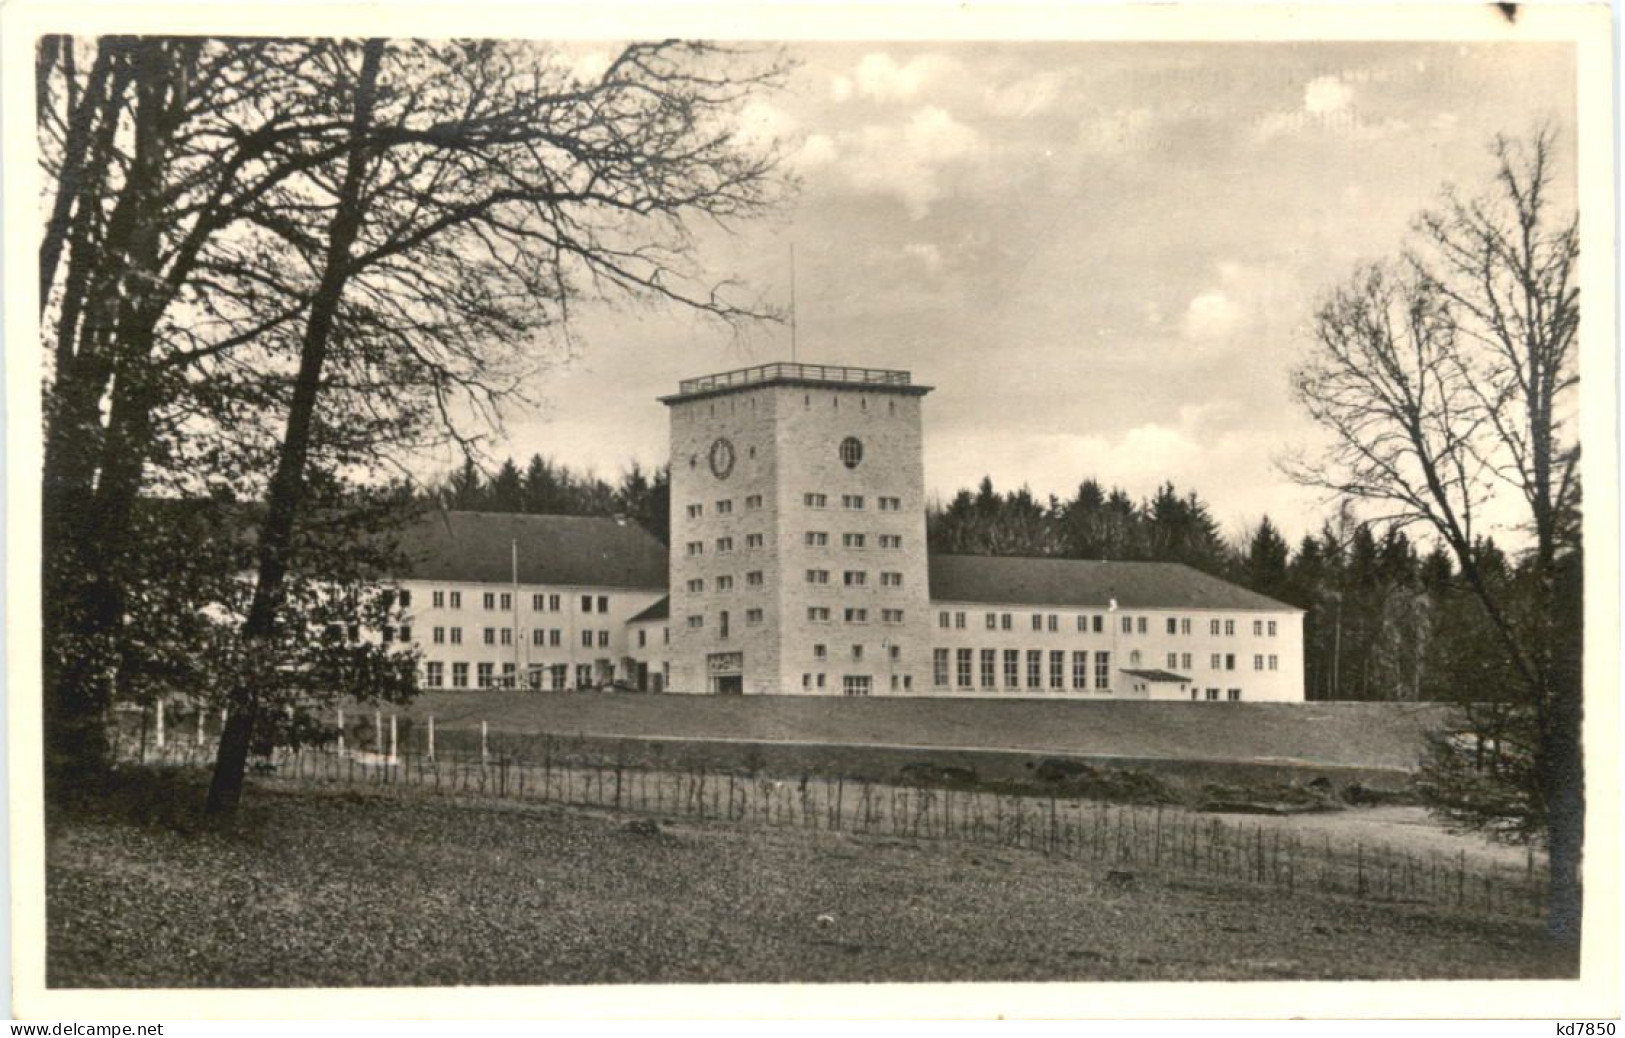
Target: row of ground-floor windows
pixel 855 684
pixel 970 668
pixel 551 677
pixel 1212 694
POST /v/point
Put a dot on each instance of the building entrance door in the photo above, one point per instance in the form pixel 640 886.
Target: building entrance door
pixel 728 684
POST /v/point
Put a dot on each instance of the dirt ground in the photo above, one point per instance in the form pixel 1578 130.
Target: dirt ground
pixel 352 888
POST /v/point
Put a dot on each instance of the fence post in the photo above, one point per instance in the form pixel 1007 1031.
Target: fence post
pixel 159 731
pixel 392 742
pixel 378 731
pixel 431 737
pixel 341 731
pixel 200 724
pixel 485 732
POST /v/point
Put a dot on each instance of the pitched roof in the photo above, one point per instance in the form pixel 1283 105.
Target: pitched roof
pixel 661 610
pixel 1006 580
pixel 561 550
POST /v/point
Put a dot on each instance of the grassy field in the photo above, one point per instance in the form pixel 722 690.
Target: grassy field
pixel 351 888
pixel 1355 735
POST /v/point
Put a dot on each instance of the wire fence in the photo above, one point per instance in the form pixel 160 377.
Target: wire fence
pixel 1125 839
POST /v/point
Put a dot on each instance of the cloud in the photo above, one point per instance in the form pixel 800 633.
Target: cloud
pixel 907 162
pixel 1116 132
pixel 763 123
pixel 927 254
pixel 1326 94
pixel 1212 317
pixel 1026 97
pixel 817 150
pixel 880 78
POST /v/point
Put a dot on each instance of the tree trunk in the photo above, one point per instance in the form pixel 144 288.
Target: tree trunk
pixel 287 486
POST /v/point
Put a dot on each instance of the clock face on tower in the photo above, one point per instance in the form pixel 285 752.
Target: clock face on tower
pixel 722 458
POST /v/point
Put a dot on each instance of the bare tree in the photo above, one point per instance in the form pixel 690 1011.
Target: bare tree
pixel 1446 382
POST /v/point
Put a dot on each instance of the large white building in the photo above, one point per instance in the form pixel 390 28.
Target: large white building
pixel 798 565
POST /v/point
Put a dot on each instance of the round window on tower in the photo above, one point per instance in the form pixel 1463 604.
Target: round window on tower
pixel 851 452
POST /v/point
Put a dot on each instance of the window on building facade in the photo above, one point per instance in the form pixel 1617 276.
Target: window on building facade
pixel 820 652
pixel 753 502
pixel 1140 624
pixel 1184 661
pixel 990 667
pixel 817 539
pixel 586 603
pixel 696 585
pixel 506 599
pixel 942 620
pixel 962 668
pixel 818 576
pixel 1173 661
pixel 855 685
pixel 753 616
pixel 854 502
pixel 939 666
pixel 754 578
pixel 434 674
pixel 1258 628
pixel 1273 661
pixel 490 600
pixel 457 636
pixel 1128 625
pixel 852 540
pixel 725 544
pixel 1234 695
pixel 438 635
pixel 695 548
pixel 1216 661
pixel 586 639
pixel 507 636
pixel 722 623
pixel 538 603
pixel 1038 621
pixel 1229 661
pixel 1080 669
pixel 891 616
pixel 1012 668
pixel 603 639
pixel 753 541
pixel 993 621
pixel 459 675
pixel 583 675
pixel 891 541
pixel 603 603
pixel 485 672
pixel 1134 658
pixel 1035 668
pixel 725 583
pixel 553 603
pixel 818 614
pixel 959 621
pixel 456 598
pixel 1185 625
pixel 857 616
pixel 1213 695
pixel 696 620
pixel 438 599
pixel 1006 621
pixel 1173 625
pixel 857 653
pixel 1103 671
pixel 1057 668
pixel 1230 628
pixel 1258 662
pixel 490 636
pixel 815 500
pixel 1271 626
pixel 725 507
pixel 1054 623
pixel 891 579
pixel 891 504
pixel 1213 628
pixel 695 511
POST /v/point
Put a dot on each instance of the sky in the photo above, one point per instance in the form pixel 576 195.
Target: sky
pixel 1105 257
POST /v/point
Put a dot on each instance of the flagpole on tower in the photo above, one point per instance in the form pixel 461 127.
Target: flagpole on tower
pixel 792 302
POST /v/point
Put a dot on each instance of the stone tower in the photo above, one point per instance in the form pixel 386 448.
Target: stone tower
pixel 798 560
